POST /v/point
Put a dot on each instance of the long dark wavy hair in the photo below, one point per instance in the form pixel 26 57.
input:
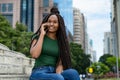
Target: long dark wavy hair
pixel 61 37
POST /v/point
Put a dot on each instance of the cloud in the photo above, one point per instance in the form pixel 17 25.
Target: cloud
pixel 92 6
pixel 98 25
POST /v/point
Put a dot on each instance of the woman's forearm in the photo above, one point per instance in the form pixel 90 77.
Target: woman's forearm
pixel 37 47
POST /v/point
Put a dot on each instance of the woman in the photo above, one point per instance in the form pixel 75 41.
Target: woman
pixel 50 48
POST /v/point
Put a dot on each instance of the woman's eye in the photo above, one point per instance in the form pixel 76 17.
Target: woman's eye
pixel 55 21
pixel 49 21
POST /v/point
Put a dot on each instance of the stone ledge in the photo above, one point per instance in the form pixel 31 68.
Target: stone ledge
pixel 3 47
pixel 14 65
pixel 14 77
pixel 6 76
pixel 8 68
pixel 15 69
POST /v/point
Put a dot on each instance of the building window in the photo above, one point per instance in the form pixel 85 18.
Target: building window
pixel 4 7
pixel 10 7
pixel 30 15
pixel 9 17
pixel 45 3
pixel 24 11
pixel 27 12
pixel 0 8
pixel 24 5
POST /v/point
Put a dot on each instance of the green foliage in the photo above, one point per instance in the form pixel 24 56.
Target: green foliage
pixel 112 61
pixel 5 31
pixel 22 43
pixel 16 39
pixel 99 69
pixel 80 60
pixel 103 59
pixel 21 27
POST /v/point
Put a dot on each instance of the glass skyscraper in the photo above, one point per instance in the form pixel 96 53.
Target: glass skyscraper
pixel 27 13
pixel 66 10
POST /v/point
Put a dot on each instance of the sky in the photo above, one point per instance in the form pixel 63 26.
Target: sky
pixel 97 14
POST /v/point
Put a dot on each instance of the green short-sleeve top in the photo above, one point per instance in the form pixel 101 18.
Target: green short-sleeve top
pixel 49 54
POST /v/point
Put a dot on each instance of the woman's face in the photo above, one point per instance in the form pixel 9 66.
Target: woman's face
pixel 53 23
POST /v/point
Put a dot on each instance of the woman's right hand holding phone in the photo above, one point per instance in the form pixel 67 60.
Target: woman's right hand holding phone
pixel 43 27
pixel 36 47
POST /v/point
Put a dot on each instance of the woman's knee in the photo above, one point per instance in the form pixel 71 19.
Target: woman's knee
pixel 58 77
pixel 70 72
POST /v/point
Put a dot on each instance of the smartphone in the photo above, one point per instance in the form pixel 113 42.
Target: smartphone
pixel 46 28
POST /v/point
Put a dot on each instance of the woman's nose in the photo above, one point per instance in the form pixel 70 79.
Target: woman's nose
pixel 51 23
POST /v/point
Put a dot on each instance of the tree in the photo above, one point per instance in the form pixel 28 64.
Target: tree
pixel 6 31
pixel 99 69
pixel 112 63
pixel 80 60
pixel 21 27
pixel 17 39
pixel 103 59
pixel 22 43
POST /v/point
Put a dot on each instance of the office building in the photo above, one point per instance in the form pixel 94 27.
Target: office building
pixel 79 28
pixel 108 43
pixel 115 26
pixel 11 10
pixel 28 12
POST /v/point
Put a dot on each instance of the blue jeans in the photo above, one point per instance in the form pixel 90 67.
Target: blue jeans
pixel 48 73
